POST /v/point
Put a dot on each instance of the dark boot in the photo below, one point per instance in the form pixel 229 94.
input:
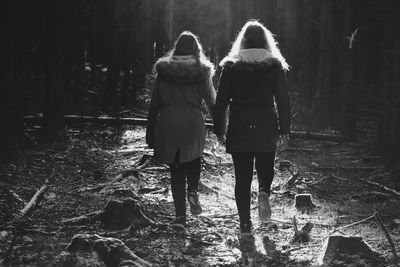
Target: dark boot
pixel 193 199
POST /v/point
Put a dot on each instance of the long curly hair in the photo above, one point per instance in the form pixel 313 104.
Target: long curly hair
pixel 255 35
pixel 189 44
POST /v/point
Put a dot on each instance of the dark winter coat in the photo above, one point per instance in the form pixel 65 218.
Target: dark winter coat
pixel 250 88
pixel 176 128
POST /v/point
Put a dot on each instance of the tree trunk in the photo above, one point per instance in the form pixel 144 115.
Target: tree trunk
pixel 323 70
pixel 169 20
pixel 10 119
pixel 384 123
pixel 80 43
pixel 53 110
pixel 394 151
pixel 114 60
pixel 125 94
pixel 349 97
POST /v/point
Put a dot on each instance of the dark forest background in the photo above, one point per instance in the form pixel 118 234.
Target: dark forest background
pixel 91 57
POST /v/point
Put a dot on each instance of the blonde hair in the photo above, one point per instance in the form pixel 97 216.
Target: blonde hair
pixel 188 44
pixel 255 35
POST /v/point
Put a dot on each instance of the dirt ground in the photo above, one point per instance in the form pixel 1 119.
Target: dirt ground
pixel 82 171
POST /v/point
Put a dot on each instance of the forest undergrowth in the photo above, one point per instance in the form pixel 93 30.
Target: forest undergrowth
pixel 94 164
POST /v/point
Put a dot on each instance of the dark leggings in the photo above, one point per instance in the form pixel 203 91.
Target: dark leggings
pixel 244 165
pixel 179 173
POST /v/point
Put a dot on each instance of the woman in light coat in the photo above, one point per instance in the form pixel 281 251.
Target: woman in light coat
pixel 176 128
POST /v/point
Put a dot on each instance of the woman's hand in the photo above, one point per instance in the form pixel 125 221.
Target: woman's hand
pixel 222 138
pixel 283 140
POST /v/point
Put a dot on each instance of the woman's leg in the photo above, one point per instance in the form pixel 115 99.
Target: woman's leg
pixel 178 182
pixel 265 174
pixel 193 179
pixel 193 174
pixel 243 163
pixel 265 170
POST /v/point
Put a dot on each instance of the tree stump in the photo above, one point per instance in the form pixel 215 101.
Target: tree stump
pixel 125 193
pixel 349 251
pixel 78 259
pixel 304 203
pixel 117 215
pixel 112 251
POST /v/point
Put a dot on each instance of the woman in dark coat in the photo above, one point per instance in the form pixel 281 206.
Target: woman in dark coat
pixel 253 85
pixel 176 128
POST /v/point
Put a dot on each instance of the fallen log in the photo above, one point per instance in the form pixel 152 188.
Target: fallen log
pixel 344 168
pixel 371 217
pixel 387 189
pixel 368 182
pixel 300 149
pixel 23 212
pixel 69 119
pixel 83 219
pixel 33 201
pixel 90 119
pixel 317 136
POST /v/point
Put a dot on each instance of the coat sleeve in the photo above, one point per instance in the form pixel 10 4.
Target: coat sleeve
pixel 221 106
pixel 209 94
pixel 153 114
pixel 283 102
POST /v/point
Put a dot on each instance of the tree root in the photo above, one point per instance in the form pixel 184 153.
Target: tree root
pixel 111 250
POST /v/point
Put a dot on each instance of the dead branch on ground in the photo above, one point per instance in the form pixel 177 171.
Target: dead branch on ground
pixel 371 217
pixel 33 201
pixel 385 231
pixel 300 149
pixel 380 186
pixel 317 136
pixel 343 168
pixel 368 182
pixel 143 122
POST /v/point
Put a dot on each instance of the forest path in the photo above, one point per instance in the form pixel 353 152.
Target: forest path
pixel 84 172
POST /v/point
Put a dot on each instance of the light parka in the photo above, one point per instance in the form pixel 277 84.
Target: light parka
pixel 176 128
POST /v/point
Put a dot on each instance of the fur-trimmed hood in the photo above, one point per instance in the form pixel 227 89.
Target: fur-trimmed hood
pixel 184 69
pixel 251 60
